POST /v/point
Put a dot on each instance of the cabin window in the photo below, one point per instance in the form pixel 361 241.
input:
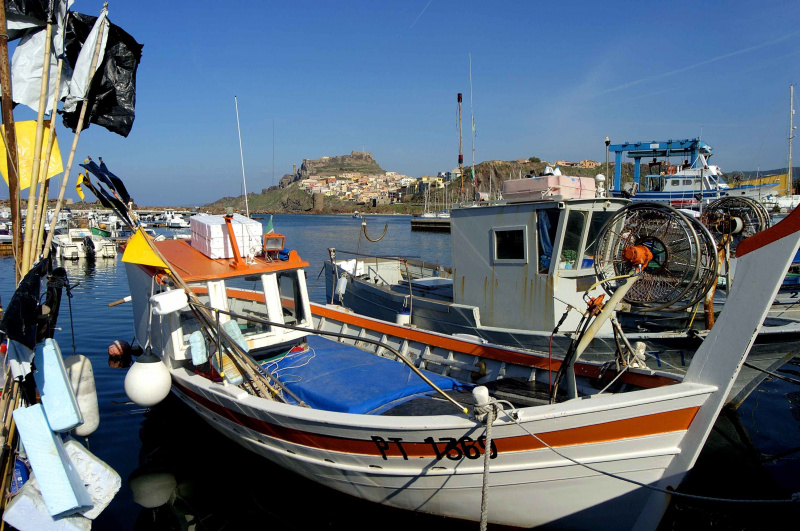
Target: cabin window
pixel 573 235
pixel 246 297
pixel 687 182
pixel 675 182
pixel 510 245
pixel 291 298
pixel 546 231
pixel 596 222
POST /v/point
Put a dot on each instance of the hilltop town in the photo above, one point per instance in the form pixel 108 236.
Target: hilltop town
pixel 357 182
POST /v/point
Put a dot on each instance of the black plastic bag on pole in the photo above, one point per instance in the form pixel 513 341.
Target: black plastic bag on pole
pixel 112 95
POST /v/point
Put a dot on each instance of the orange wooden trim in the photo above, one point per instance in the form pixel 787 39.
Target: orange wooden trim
pixel 789 225
pixel 494 353
pixel 641 426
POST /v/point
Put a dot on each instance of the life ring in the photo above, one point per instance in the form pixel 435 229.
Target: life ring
pixel 671 170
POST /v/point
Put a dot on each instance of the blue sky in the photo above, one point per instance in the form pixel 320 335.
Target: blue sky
pixel 549 79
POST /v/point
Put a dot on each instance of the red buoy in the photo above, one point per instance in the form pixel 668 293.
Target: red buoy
pixel 119 348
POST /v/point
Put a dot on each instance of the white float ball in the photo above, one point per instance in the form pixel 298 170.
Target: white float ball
pixel 148 381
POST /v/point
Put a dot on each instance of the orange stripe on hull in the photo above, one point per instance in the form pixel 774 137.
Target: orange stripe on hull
pixel 641 426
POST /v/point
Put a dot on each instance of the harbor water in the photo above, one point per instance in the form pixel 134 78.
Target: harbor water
pixel 179 473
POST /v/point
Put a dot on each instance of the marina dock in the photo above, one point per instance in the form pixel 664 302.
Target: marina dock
pixel 430 224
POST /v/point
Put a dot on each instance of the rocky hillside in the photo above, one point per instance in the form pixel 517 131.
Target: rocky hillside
pixel 357 161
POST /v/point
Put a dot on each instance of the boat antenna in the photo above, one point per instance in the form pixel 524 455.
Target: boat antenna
pixel 241 155
pixel 472 116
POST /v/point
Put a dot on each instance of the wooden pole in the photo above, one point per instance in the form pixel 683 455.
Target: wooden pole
pixel 41 218
pixel 10 139
pixel 81 118
pixel 37 153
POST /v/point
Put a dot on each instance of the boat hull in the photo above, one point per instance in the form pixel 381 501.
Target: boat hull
pixel 394 460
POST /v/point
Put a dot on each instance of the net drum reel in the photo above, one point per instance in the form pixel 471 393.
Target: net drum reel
pixel 733 219
pixel 683 266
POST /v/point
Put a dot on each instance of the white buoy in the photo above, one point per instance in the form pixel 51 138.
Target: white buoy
pixel 148 381
pixel 341 286
pixel 403 318
pixel 81 378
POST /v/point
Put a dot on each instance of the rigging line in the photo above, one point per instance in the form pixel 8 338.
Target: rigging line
pixel 794 499
pixel 420 13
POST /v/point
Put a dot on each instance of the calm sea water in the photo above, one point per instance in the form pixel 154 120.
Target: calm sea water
pixel 207 482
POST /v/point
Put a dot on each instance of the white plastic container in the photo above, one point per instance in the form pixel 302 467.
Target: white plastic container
pixel 168 302
pixel 546 187
pixel 210 236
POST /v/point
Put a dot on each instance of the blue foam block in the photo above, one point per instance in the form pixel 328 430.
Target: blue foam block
pixel 233 330
pixel 197 346
pixel 59 482
pixel 58 397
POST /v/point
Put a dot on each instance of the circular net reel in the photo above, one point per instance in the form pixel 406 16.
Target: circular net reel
pixel 684 262
pixel 734 219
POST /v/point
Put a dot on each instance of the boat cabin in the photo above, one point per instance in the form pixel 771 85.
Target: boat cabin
pixel 524 264
pixel 264 287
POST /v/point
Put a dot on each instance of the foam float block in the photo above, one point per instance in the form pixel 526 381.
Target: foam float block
pixel 59 482
pixel 101 480
pixel 58 398
pixel 233 330
pixel 197 345
pixel 27 510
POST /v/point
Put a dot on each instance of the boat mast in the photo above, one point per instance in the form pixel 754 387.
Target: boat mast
pixel 791 136
pixel 472 116
pixel 460 149
pixel 241 155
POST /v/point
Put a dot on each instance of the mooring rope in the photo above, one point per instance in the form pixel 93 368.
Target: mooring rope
pixel 486 414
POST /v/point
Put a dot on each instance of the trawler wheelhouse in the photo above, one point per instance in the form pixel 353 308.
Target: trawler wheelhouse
pixel 540 258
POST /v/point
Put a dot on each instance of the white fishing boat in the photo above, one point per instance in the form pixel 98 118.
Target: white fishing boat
pixel 174 220
pixel 323 392
pixel 69 244
pixel 682 185
pixel 5 233
pixel 520 268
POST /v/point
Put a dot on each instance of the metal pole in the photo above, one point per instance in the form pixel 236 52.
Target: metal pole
pixel 241 155
pixel 791 136
pixel 611 181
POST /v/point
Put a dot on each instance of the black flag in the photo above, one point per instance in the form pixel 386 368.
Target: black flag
pixel 105 176
pixel 112 95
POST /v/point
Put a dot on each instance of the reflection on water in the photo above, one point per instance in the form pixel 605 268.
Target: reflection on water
pixel 208 482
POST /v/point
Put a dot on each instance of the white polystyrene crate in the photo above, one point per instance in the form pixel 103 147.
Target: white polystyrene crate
pixel 210 236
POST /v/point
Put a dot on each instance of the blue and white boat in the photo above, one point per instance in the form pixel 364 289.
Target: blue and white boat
pixel 683 185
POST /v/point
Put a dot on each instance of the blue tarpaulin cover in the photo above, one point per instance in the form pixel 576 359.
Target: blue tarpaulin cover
pixel 342 378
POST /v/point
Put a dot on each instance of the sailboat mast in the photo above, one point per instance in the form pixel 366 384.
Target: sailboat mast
pixel 460 148
pixel 791 136
pixel 241 155
pixel 472 116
